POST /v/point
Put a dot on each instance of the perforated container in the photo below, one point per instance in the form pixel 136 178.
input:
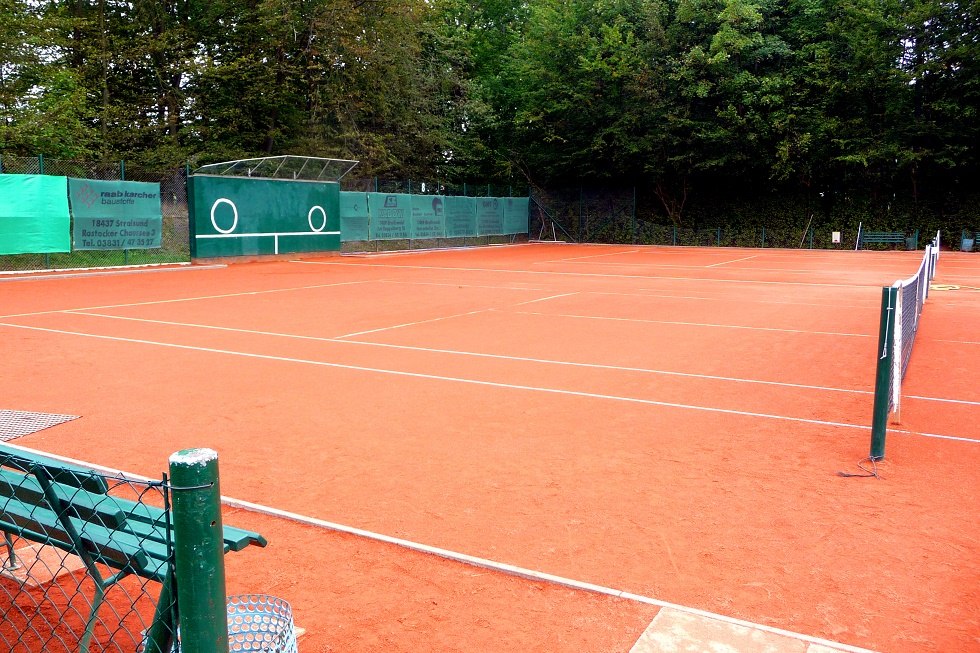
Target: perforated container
pixel 260 623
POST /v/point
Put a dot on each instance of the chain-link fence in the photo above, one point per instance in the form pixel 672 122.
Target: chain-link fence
pixel 84 562
pixel 626 216
pixel 174 246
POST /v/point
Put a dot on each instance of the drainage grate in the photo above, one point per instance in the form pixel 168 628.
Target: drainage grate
pixel 15 423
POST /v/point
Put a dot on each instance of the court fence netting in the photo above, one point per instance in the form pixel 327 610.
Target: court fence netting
pixel 93 561
pixel 174 235
pixel 901 310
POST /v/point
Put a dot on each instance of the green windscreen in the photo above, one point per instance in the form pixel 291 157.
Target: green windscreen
pixel 238 216
pixel 115 214
pixel 398 216
pixel 34 214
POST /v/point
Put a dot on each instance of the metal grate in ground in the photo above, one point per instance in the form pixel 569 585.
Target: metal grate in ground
pixel 17 423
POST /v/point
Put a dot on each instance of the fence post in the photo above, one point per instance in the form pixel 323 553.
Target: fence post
pixel 199 551
pixel 673 235
pixel 122 169
pixel 763 237
pixel 40 164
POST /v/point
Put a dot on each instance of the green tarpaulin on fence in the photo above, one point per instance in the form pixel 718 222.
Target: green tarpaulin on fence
pixel 391 216
pixel 354 217
pixel 34 214
pixel 399 216
pixel 115 214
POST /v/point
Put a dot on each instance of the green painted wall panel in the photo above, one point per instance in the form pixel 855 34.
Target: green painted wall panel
pixel 234 216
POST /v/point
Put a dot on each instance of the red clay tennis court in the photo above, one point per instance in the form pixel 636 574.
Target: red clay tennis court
pixel 666 424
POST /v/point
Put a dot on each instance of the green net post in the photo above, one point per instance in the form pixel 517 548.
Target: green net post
pixel 199 551
pixel 883 375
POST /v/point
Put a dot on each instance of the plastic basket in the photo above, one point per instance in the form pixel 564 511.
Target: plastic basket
pixel 260 623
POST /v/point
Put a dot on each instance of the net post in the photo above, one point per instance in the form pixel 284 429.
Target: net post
pixel 883 384
pixel 199 551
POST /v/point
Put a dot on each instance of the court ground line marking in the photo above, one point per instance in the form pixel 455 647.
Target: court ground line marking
pixel 695 324
pixel 435 377
pixel 189 299
pixel 621 368
pixel 579 258
pixel 73 273
pixel 410 324
pixel 456 352
pixel 483 563
pixel 458 285
pixel 746 258
pixel 593 274
pixel 492 384
pixel 545 299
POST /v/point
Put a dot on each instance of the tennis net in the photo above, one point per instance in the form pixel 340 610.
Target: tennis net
pixel 901 308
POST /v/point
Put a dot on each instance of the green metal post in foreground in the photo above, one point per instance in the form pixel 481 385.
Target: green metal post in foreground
pixel 883 376
pixel 199 551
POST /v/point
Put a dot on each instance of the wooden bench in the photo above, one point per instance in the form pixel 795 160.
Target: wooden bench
pixel 891 237
pixel 49 502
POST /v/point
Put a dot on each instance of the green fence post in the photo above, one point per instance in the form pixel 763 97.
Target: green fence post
pixel 718 241
pixel 811 237
pixel 883 374
pixel 122 169
pixel 763 237
pixel 673 238
pixel 40 164
pixel 199 551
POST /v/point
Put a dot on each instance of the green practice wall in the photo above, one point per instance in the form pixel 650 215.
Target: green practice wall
pixel 238 216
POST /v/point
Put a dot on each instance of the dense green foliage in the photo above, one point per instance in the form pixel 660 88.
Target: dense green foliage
pixel 863 103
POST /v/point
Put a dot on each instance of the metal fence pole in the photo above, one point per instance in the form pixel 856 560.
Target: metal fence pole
pixel 199 551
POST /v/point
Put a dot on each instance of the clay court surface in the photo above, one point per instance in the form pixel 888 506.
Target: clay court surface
pixel 665 422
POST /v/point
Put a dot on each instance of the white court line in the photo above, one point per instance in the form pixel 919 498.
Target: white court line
pixel 411 324
pixel 452 379
pixel 545 299
pixel 545 361
pixel 446 317
pixel 957 342
pixel 483 563
pixel 492 384
pixel 458 285
pixel 746 258
pixel 579 258
pixel 524 359
pixel 74 273
pixel 695 324
pixel 645 277
pixel 187 299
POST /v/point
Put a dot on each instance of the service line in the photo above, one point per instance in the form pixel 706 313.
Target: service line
pixel 462 380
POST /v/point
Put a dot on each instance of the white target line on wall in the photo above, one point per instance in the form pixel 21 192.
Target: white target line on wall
pixel 214 221
pixel 315 229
